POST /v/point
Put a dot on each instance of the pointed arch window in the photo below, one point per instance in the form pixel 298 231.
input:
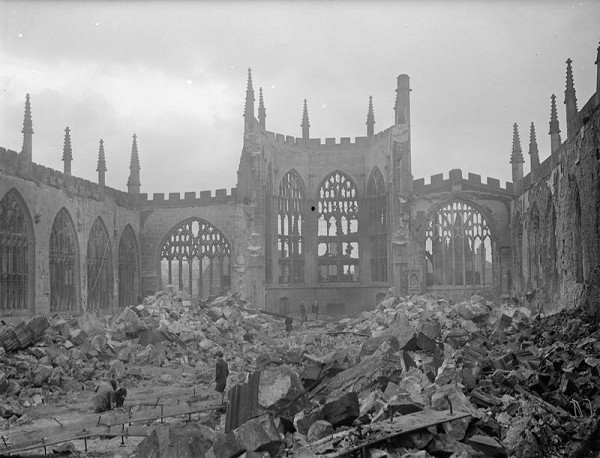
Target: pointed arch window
pixel 63 264
pixel 534 261
pixel 378 226
pixel 458 247
pixel 15 253
pixel 290 241
pixel 99 268
pixel 338 230
pixel 128 268
pixel 196 256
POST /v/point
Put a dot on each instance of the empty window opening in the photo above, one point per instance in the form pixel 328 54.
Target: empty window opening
pixel 290 218
pixel 128 268
pixel 196 257
pixel 15 247
pixel 458 247
pixel 99 268
pixel 63 264
pixel 338 249
pixel 378 227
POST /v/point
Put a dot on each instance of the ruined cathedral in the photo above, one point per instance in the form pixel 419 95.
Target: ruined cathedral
pixel 336 221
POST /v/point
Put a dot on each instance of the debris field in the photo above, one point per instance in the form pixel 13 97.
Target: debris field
pixel 415 377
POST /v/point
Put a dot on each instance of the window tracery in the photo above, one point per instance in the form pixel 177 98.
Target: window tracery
pixel 378 226
pixel 290 217
pixel 197 257
pixel 63 263
pixel 338 230
pixel 128 267
pixel 14 253
pixel 458 247
pixel 99 267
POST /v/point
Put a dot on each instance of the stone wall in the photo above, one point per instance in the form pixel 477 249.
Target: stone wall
pixel 556 222
pixel 44 192
pixel 227 217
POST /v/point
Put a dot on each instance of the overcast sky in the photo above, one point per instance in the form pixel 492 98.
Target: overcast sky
pixel 175 74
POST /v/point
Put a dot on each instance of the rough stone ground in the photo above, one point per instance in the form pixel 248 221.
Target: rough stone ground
pixel 68 409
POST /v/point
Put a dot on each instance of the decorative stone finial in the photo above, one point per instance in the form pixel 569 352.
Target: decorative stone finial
pixel 370 118
pixel 305 123
pixel 262 114
pixel 67 156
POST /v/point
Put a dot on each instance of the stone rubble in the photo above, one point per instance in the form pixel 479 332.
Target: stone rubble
pixel 530 384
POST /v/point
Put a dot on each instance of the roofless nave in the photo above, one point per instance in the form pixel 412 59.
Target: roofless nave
pixel 336 221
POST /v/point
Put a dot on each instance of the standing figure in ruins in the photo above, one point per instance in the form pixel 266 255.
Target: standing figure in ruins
pixel 315 309
pixel 303 312
pixel 288 324
pixel 221 374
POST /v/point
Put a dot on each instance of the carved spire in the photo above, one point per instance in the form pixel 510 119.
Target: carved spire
pixel 249 105
pixel 570 102
pixel 516 158
pixel 554 127
pixel 27 131
pixel 101 169
pixel 533 149
pixel 67 156
pixel 305 124
pixel 517 153
pixel 262 114
pixel 133 183
pixel 370 119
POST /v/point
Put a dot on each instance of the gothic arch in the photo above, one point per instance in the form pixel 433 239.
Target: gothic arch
pixel 196 252
pixel 64 263
pixel 378 224
pixel 337 231
pixel 534 248
pixel 17 254
pixel 99 267
pixel 578 252
pixel 550 240
pixel 458 245
pixel 291 198
pixel 129 262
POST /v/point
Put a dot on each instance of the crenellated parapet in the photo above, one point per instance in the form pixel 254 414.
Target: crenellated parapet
pixel 455 182
pixel 189 199
pixel 341 143
pixel 75 186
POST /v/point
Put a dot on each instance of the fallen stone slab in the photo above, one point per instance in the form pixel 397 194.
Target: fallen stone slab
pixel 319 429
pixel 374 372
pixel 257 435
pixel 182 441
pixel 281 391
pixel 342 411
pixel 488 445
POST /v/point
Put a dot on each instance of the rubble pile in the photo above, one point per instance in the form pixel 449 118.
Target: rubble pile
pixel 530 384
pixel 524 386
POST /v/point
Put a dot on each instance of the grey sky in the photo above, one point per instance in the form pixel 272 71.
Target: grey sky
pixel 175 74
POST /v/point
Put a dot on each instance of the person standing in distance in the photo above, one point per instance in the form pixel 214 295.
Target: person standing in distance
pixel 221 374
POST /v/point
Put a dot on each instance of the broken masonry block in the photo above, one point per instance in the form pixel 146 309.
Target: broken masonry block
pixel 342 411
pixel 488 446
pixel 318 430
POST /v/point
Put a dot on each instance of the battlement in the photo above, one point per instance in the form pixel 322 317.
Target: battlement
pixel 456 182
pixel 11 163
pixel 343 142
pixel 190 199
